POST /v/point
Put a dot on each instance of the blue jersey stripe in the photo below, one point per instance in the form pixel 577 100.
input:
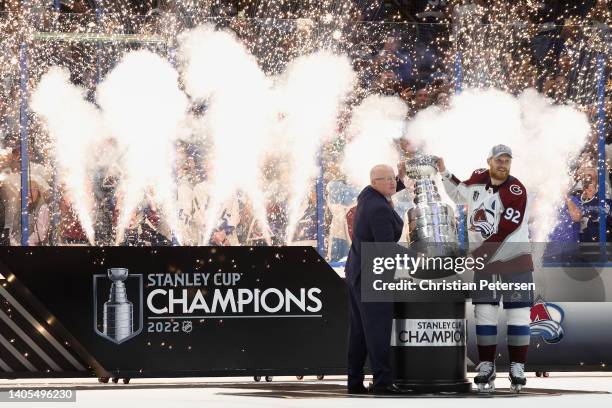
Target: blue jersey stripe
pixel 518 330
pixel 486 330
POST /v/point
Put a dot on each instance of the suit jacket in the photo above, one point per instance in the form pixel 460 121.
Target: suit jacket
pixel 375 221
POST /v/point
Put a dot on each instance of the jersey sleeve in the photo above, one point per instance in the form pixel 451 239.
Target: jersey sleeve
pixel 456 190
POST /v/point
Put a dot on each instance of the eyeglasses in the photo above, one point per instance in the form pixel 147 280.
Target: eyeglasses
pixel 385 178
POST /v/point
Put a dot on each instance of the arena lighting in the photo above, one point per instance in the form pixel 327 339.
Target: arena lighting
pixel 58 36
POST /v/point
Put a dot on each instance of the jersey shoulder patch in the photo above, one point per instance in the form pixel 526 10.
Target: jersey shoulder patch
pixel 479 176
pixel 513 190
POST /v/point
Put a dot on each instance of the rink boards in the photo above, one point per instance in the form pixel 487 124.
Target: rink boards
pixel 232 311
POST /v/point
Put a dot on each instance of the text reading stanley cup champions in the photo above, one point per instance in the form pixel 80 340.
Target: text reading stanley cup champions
pixel 173 299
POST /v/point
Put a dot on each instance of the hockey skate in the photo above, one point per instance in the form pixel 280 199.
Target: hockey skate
pixel 517 377
pixel 485 379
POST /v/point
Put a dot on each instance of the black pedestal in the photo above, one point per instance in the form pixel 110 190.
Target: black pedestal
pixel 428 347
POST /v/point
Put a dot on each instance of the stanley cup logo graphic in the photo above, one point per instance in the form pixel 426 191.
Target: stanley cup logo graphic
pixel 118 310
pixel 118 323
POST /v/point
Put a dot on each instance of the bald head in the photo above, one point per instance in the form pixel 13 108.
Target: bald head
pixel 381 170
pixel 382 179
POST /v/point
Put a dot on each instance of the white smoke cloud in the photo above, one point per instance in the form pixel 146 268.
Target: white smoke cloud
pixel 310 95
pixel 543 137
pixel 553 136
pixel 248 118
pixel 218 69
pixel 144 108
pixel 75 127
pixel 375 123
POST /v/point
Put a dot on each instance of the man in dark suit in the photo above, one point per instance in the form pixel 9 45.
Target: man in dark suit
pixel 370 322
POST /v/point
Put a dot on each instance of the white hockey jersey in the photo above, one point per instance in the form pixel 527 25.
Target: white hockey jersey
pixel 496 219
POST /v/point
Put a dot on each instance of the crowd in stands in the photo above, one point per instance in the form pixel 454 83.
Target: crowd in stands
pixel 404 48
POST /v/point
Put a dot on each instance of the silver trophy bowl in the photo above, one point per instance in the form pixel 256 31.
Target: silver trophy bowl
pixel 431 223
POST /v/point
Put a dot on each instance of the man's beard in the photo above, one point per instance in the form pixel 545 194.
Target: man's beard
pixel 499 175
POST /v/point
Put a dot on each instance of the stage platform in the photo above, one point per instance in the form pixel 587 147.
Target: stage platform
pixel 584 389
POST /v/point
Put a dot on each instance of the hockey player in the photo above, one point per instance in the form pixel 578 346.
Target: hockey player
pixel 498 232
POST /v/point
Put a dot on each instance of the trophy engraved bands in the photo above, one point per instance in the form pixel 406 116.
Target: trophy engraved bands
pixel 431 222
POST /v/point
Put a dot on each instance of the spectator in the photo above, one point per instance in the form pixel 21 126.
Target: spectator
pixel 563 240
pixel 9 123
pixel 75 6
pixel 587 170
pixel 393 58
pixel 590 219
pixel 70 230
pixel 341 197
pixel 387 83
pixel 38 211
pixel 147 226
pixel 10 193
pixel 189 209
pixel 407 95
pixel 556 88
pixel 105 182
pixel 432 16
pixel 442 100
pixel 225 231
pixel 422 99
pixel 225 234
pixel 306 228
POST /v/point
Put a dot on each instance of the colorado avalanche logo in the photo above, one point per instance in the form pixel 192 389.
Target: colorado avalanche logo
pixel 546 320
pixel 483 220
pixel 516 190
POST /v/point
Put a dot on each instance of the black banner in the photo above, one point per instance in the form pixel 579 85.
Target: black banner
pixel 220 311
pixel 170 311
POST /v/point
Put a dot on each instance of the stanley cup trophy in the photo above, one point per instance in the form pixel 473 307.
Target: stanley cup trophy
pixel 428 336
pixel 432 224
pixel 118 310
